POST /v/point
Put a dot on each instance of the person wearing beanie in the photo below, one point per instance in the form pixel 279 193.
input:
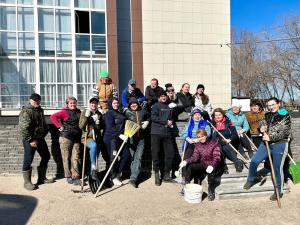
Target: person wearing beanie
pixel 139 115
pixel 33 129
pixel 161 139
pixel 202 102
pixel 189 133
pixel 91 121
pixel 238 118
pixel 131 91
pixel 104 90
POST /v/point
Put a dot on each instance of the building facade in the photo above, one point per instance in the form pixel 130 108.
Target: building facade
pixel 58 47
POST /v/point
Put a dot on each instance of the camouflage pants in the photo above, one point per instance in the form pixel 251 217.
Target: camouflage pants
pixel 70 152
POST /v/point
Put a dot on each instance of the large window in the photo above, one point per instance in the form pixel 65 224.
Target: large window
pixel 59 55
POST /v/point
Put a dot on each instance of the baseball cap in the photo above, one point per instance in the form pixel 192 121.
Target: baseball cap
pixel 131 82
pixel 35 97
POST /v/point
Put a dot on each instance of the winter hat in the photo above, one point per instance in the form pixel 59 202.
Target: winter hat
pixel 236 104
pixel 103 74
pixel 132 100
pixel 196 110
pixel 93 99
pixel 200 86
pixel 162 93
pixel 35 97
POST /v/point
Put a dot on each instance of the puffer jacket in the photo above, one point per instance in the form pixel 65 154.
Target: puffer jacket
pixel 239 120
pixel 94 130
pixel 207 154
pixel 32 123
pixel 279 126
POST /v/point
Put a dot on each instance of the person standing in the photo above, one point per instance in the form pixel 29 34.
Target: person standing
pixel 33 129
pixel 185 102
pixel 202 102
pixel 131 91
pixel 152 92
pixel 161 118
pixel 105 90
pixel 254 117
pixel 92 119
pixel 140 116
pixel 67 122
pixel 276 129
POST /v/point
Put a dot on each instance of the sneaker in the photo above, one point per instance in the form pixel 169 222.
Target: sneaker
pixel 76 181
pixel 273 197
pixel 117 182
pixel 69 180
pixel 133 183
pixel 211 196
pixel 249 184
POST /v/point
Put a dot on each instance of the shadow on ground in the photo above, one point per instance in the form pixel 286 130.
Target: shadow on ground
pixel 16 209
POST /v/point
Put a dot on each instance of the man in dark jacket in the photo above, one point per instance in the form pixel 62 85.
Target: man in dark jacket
pixel 33 129
pixel 131 91
pixel 161 117
pixel 140 116
pixel 152 92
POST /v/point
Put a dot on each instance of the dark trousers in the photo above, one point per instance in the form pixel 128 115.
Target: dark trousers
pixel 257 140
pixel 244 143
pixel 230 154
pixel 113 144
pixel 187 154
pixel 197 171
pixel 29 152
pixel 168 153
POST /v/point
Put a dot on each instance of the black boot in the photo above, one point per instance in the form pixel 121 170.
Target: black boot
pixel 27 180
pixel 211 193
pixel 167 178
pixel 42 176
pixel 157 179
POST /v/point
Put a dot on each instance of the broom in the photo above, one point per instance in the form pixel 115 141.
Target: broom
pixel 242 158
pixel 84 156
pixel 130 129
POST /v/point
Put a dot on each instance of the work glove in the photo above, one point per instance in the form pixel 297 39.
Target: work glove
pixel 123 137
pixel 87 113
pixel 95 118
pixel 189 140
pixel 145 124
pixel 172 105
pixel 209 169
pixel 182 164
pixel 61 129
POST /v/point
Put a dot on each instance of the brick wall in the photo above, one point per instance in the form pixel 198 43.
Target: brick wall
pixel 11 150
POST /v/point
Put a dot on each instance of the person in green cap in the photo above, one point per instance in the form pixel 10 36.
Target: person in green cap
pixel 104 90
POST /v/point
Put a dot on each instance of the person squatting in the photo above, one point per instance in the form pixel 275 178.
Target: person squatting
pixel 209 136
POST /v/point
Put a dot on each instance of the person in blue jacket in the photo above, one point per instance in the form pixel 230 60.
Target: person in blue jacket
pixel 131 91
pixel 238 118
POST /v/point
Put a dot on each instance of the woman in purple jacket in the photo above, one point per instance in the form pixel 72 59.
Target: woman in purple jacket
pixel 206 160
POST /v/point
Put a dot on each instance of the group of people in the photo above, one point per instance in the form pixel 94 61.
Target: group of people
pixel 210 136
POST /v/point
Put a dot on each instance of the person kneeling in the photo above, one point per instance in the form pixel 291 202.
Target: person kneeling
pixel 206 160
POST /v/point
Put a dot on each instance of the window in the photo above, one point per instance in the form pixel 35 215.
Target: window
pixel 82 22
pixel 26 43
pixel 46 42
pixel 7 18
pixel 98 4
pixel 98 23
pixel 46 20
pixel 82 3
pixel 8 45
pixel 63 2
pixel 63 21
pixel 63 45
pixel 45 2
pixel 25 19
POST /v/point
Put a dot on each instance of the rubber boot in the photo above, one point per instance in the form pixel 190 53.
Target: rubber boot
pixel 42 176
pixel 27 180
pixel 211 193
pixel 157 179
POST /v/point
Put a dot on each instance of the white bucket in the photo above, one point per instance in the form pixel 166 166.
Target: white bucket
pixel 193 193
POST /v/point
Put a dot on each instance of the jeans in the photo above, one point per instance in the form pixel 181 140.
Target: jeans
pixel 244 143
pixel 136 150
pixel 92 146
pixel 29 152
pixel 230 154
pixel 279 152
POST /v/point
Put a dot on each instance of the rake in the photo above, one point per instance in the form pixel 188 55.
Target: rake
pixel 131 128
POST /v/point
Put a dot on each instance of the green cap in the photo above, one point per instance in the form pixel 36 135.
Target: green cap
pixel 103 73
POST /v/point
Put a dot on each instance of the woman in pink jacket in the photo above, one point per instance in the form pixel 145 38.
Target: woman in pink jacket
pixel 205 160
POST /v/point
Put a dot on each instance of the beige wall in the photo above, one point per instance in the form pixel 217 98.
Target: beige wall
pixel 177 48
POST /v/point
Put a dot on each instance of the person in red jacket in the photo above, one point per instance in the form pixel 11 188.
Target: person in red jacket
pixel 67 122
pixel 205 160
